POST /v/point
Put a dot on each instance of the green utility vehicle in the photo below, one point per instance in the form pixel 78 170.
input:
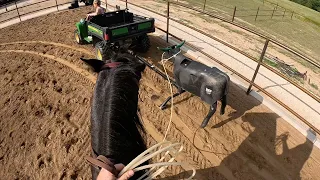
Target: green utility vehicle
pixel 115 29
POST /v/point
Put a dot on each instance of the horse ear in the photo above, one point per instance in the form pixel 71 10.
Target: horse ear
pixel 94 63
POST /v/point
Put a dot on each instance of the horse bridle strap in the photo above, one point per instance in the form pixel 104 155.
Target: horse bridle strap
pixel 103 162
pixel 110 65
pixel 114 65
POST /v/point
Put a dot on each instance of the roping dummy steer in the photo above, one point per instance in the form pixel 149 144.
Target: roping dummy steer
pixel 209 83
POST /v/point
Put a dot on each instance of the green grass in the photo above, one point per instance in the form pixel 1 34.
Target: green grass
pixel 295 70
pixel 270 63
pixel 310 14
pixel 301 33
pixel 314 86
pixel 276 66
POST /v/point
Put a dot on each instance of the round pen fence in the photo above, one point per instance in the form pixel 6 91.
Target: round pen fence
pixel 17 10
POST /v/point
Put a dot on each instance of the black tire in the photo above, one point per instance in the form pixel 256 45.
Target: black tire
pixel 88 2
pixel 77 37
pixel 142 43
pixel 104 52
pixel 74 5
pixel 95 40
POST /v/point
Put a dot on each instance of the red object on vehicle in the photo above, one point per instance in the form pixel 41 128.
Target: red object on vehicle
pixel 106 37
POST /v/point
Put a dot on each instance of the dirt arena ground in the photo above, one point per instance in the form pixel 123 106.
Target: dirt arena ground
pixel 45 111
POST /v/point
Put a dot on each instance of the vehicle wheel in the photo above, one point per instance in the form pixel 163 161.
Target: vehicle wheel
pixel 88 2
pixel 142 44
pixel 95 40
pixel 77 37
pixel 104 52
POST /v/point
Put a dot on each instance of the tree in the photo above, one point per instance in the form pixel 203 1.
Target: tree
pixel 313 4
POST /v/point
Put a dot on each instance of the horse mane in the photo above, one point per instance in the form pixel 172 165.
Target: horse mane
pixel 115 126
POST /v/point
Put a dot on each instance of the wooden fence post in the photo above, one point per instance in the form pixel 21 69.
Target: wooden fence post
pixel 17 10
pixel 234 13
pixel 284 13
pixel 274 9
pixel 126 4
pixel 257 14
pixel 57 5
pixel 204 5
pixel 258 66
pixel 168 17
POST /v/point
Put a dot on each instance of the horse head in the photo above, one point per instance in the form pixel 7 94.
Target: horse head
pixel 123 59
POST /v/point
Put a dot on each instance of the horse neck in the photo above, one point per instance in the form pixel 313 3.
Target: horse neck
pixel 115 124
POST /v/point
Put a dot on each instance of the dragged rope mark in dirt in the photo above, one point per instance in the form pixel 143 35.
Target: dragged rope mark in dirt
pixel 50 43
pixel 83 72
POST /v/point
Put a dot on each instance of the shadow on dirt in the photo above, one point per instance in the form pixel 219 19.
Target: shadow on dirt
pixel 247 103
pixel 256 158
pixel 263 154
